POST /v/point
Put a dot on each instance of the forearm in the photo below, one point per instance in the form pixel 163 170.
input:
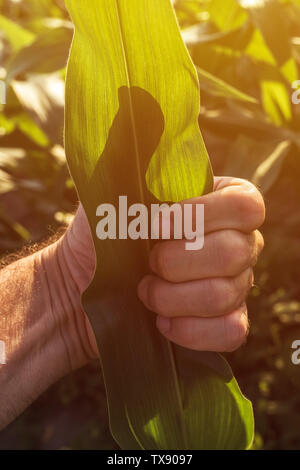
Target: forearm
pixel 43 328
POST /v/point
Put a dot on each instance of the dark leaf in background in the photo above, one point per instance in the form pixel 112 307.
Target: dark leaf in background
pixel 42 96
pixel 47 54
pixel 269 16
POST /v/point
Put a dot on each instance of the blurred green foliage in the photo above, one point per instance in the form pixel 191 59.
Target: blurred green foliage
pixel 247 53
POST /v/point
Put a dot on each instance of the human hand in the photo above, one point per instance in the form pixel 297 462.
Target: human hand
pixel 199 296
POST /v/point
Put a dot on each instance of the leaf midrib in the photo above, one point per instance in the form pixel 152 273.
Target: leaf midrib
pixel 129 82
pixel 142 195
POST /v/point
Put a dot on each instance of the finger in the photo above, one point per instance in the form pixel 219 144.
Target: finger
pixel 235 204
pixel 225 253
pixel 202 298
pixel 219 334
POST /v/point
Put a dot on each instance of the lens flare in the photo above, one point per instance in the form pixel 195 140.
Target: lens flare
pixel 253 3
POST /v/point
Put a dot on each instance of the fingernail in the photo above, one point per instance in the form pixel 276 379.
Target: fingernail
pixel 163 324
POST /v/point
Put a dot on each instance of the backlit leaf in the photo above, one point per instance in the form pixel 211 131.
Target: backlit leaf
pixel 17 36
pixel 132 105
pixel 218 87
pixel 47 54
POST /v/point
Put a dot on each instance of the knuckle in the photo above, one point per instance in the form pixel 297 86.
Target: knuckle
pixel 250 205
pixel 255 248
pixel 255 206
pixel 237 252
pixel 228 296
pixel 243 284
pixel 246 251
pixel 220 295
pixel 236 331
pixel 259 244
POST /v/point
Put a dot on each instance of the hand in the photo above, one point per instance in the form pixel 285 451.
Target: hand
pixel 199 296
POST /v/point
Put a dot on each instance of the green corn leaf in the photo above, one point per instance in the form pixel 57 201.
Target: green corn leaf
pixel 227 14
pixel 258 49
pixel 258 160
pixel 276 101
pixel 42 96
pixel 17 36
pixel 218 87
pixel 47 54
pixel 269 170
pixel 270 17
pixel 132 105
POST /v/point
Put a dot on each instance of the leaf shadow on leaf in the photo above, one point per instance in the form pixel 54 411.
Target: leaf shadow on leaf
pixel 149 123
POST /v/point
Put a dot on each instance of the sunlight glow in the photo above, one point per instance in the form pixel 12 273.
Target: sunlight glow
pixel 253 3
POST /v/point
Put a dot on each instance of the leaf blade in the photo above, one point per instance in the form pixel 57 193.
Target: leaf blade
pixel 145 411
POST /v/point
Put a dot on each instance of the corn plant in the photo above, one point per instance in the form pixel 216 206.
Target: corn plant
pixel 247 57
pixel 132 106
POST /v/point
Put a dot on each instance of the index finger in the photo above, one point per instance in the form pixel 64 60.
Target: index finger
pixel 235 204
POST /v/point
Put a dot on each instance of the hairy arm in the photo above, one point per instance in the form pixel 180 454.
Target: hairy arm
pixel 42 325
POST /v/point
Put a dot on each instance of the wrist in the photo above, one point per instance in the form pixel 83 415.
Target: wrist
pixel 65 286
pixel 40 324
